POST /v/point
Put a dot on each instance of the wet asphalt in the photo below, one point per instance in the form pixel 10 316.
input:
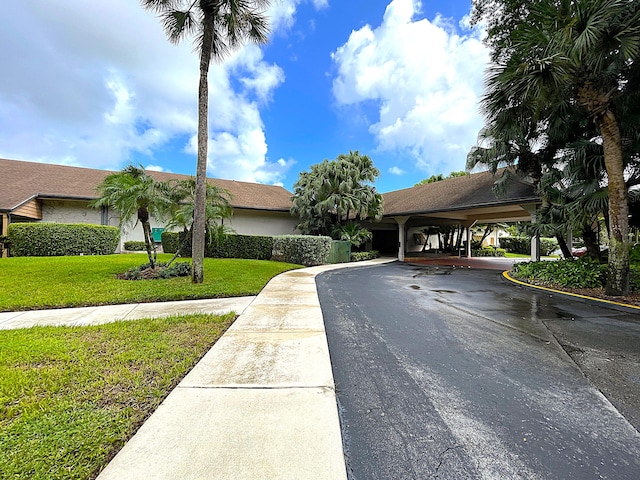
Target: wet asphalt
pixel 458 374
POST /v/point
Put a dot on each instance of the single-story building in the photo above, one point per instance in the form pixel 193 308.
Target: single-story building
pixel 40 192
pixel 413 217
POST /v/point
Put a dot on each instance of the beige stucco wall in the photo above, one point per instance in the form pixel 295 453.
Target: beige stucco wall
pixel 245 222
pixel 67 211
pixel 253 222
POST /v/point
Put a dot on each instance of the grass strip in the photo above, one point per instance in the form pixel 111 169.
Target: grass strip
pixel 30 283
pixel 70 397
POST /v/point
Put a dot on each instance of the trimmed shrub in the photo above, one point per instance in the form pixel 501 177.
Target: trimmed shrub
pixel 489 252
pixel 362 256
pixel 581 273
pixel 135 246
pixel 170 241
pixel 522 245
pixel 634 278
pixel 301 249
pixel 254 247
pixel 59 239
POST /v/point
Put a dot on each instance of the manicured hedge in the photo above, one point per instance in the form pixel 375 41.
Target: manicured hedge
pixel 135 246
pixel 489 252
pixel 522 245
pixel 302 249
pixel 362 256
pixel 58 239
pixel 171 242
pixel 256 247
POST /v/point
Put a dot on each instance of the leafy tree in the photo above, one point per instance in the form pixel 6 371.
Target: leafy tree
pixel 439 177
pixel 352 232
pixel 220 26
pixel 550 55
pixel 180 212
pixel 134 194
pixel 334 192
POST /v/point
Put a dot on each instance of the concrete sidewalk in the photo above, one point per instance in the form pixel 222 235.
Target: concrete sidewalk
pixel 260 404
pixel 82 316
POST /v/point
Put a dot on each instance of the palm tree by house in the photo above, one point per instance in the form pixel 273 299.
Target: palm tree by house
pixel 584 53
pixel 220 26
pixel 134 194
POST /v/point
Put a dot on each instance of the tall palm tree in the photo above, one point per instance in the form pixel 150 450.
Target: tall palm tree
pixel 580 51
pixel 133 193
pixel 220 26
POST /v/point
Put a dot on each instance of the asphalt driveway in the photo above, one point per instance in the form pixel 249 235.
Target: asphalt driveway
pixel 458 374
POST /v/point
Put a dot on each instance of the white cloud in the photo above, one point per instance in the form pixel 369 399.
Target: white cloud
pixel 426 80
pixel 155 168
pixel 93 83
pixel 395 170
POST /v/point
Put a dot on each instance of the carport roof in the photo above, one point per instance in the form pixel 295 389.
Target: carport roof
pixel 459 193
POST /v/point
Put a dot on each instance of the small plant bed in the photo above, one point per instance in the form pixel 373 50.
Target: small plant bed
pixel 70 397
pixel 580 277
pixel 161 270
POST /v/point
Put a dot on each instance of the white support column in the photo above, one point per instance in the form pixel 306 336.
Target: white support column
pixel 4 218
pixel 401 236
pixel 468 225
pixel 535 248
pixel 535 241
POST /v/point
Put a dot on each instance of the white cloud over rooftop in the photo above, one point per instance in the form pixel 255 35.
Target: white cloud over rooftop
pixel 425 78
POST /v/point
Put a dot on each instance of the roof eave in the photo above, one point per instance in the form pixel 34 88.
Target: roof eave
pixel 526 200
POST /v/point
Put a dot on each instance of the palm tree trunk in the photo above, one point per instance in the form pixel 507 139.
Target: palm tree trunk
pixel 151 248
pixel 566 253
pixel 618 270
pixel 590 239
pixel 198 234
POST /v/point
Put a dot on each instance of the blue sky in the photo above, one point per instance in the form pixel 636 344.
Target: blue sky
pixel 97 84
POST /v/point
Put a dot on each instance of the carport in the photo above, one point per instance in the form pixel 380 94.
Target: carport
pixel 461 201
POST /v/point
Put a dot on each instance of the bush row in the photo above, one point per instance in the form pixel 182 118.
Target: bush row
pixel 301 249
pixel 522 245
pixel 135 246
pixel 257 247
pixel 489 252
pixel 362 256
pixel 582 273
pixel 57 239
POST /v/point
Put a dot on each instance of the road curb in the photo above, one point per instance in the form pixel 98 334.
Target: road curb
pixel 506 275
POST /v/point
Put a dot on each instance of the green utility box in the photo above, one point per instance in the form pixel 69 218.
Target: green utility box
pixel 340 252
pixel 156 234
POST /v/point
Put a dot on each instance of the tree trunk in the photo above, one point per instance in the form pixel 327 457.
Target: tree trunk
pixel 143 218
pixel 566 253
pixel 151 247
pixel 618 270
pixel 590 238
pixel 199 208
pixel 185 239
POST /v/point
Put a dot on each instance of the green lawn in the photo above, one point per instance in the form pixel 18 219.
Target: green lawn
pixel 70 397
pixel 55 282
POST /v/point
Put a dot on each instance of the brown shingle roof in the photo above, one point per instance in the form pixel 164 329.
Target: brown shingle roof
pixel 456 193
pixel 21 181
